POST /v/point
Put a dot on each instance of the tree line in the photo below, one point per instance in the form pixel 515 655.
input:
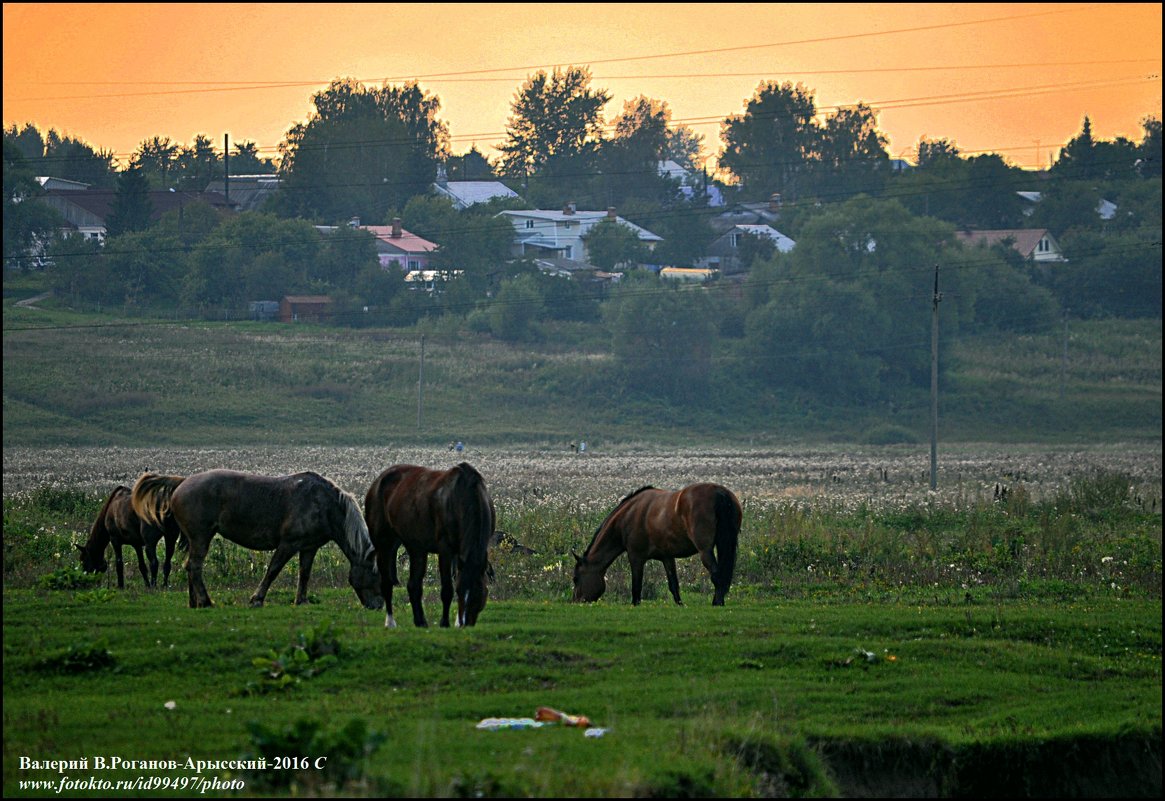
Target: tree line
pixel 842 312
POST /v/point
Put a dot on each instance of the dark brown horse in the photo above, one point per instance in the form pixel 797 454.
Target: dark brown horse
pixel 118 524
pixel 448 513
pixel 285 514
pixel 656 524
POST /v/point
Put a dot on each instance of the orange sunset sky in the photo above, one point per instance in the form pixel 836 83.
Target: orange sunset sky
pixel 1014 79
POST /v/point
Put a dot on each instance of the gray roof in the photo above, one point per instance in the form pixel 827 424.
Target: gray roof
pixel 468 193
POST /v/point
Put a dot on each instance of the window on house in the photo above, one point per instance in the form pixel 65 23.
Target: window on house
pixel 736 240
pixel 529 223
pixel 414 264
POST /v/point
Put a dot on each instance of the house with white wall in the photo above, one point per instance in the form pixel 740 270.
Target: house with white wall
pixel 559 234
pixel 1034 244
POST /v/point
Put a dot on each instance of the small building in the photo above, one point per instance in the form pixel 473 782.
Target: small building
pixel 305 309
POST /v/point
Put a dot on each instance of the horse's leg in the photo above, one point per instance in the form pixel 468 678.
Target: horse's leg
pixel 278 559
pixel 418 561
pixel 195 557
pixel 117 558
pixel 637 565
pixel 306 557
pixel 147 574
pixel 713 571
pixel 673 581
pixel 169 559
pixel 386 566
pixel 445 568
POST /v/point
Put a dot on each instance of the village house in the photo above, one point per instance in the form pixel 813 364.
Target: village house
pixel 724 252
pixel 559 234
pixel 1034 244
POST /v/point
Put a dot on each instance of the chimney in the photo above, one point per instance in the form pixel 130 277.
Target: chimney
pixel 354 222
pixel 775 202
pixel 568 208
pixel 396 229
pixel 611 215
pixel 442 175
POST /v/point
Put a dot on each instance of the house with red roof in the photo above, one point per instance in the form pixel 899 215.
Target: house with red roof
pixel 395 245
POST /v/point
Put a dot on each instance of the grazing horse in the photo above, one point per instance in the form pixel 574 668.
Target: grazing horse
pixel 656 524
pixel 117 523
pixel 449 513
pixel 285 514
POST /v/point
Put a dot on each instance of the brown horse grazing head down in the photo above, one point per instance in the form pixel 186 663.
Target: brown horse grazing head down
pixel 117 524
pixel 446 512
pixel 295 514
pixel 656 524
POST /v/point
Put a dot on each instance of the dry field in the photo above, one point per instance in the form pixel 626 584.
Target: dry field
pixel 602 475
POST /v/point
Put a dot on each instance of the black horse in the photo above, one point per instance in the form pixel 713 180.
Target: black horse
pixel 118 524
pixel 285 514
pixel 446 512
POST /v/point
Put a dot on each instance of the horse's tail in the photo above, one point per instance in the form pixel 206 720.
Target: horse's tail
pixel 151 497
pixel 374 518
pixel 728 519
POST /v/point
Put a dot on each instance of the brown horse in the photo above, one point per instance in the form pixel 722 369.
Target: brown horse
pixel 285 514
pixel 656 524
pixel 119 525
pixel 448 513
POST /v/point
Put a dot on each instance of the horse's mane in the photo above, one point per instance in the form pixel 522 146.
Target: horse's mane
pixel 355 527
pixel 99 532
pixel 607 519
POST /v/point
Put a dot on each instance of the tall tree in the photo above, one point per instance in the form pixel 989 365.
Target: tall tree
pixel 771 147
pixel 852 153
pixel 28 223
pixel 361 152
pixel 555 124
pixel 197 165
pixel 155 157
pixel 131 205
pixel 631 156
pixel 1077 160
pixel 247 161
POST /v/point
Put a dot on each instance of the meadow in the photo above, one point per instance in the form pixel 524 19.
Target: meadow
pixel 1000 635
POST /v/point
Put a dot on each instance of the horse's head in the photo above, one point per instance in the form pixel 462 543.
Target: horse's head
pixel 365 580
pixel 92 562
pixel 589 582
pixel 472 595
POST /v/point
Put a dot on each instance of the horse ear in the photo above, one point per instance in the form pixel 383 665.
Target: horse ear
pixel 577 558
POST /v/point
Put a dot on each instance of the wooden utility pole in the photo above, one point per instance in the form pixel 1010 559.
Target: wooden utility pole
pixel 226 167
pixel 421 388
pixel 934 383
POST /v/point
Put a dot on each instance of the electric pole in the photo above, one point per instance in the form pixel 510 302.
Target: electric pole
pixel 421 387
pixel 934 383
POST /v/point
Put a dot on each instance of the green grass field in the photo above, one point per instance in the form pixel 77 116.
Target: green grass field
pixel 761 696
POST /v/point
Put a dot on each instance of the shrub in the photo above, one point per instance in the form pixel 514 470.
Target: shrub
pixel 343 752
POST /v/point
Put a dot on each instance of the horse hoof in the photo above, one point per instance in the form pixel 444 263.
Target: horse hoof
pixel 256 603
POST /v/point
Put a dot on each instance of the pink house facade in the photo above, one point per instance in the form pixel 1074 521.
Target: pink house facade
pixel 396 245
